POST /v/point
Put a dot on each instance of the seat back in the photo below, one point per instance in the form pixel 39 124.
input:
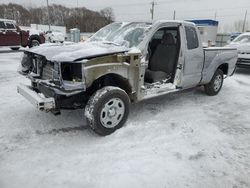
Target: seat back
pixel 165 55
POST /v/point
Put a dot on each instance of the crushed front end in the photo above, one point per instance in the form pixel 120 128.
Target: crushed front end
pixel 54 85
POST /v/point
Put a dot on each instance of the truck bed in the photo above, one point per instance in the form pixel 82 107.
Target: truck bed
pixel 215 56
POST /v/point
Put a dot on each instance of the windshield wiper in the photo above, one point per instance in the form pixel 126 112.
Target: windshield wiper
pixel 110 42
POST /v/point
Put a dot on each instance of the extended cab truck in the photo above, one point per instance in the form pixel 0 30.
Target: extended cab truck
pixel 12 36
pixel 123 63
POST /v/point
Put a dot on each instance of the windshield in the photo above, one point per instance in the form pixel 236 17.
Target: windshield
pixel 128 35
pixel 104 32
pixel 242 39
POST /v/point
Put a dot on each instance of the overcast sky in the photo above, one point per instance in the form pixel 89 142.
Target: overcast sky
pixel 227 11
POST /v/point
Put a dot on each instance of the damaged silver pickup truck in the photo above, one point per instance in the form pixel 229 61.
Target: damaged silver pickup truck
pixel 122 63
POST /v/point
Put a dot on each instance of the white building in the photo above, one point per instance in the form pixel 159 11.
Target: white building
pixel 45 28
pixel 208 30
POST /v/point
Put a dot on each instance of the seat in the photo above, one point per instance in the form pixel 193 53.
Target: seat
pixel 162 63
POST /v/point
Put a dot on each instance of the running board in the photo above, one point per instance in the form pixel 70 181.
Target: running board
pixel 155 90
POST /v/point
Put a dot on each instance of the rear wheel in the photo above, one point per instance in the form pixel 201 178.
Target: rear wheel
pixel 34 43
pixel 107 110
pixel 215 85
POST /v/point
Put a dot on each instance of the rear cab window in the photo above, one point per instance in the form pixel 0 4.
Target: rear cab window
pixel 10 25
pixel 191 37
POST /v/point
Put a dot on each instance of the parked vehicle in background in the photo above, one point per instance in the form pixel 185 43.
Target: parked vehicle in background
pixel 13 36
pixel 54 36
pixel 123 64
pixel 242 43
pixel 234 35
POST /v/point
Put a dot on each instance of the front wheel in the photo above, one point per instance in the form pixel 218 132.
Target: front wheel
pixel 107 110
pixel 215 85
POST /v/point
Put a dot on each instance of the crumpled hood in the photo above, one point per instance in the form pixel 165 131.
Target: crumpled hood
pixel 70 51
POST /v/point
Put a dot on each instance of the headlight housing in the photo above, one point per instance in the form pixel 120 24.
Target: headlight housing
pixel 71 72
pixel 72 76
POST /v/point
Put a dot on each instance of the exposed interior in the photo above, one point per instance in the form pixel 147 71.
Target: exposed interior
pixel 163 52
pixel 71 71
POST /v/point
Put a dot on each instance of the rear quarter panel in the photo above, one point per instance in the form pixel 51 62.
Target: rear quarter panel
pixel 214 57
pixel 42 38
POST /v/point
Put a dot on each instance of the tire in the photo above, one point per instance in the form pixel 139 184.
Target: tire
pixel 215 85
pixel 34 43
pixel 17 48
pixel 107 110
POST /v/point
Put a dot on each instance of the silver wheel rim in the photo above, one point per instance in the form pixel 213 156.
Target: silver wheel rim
pixel 112 113
pixel 217 82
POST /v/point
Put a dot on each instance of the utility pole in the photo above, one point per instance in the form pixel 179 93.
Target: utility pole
pixel 174 15
pixel 244 23
pixel 215 15
pixel 152 9
pixel 77 9
pixel 48 14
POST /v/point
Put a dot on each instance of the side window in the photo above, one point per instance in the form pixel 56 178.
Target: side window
pixel 158 34
pixel 192 38
pixel 10 26
pixel 2 25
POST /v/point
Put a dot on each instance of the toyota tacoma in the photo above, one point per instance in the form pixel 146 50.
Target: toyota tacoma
pixel 123 63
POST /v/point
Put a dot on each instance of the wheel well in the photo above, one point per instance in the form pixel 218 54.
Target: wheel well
pixel 224 68
pixel 34 37
pixel 110 80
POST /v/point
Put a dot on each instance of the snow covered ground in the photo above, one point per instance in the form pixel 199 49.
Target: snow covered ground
pixel 180 140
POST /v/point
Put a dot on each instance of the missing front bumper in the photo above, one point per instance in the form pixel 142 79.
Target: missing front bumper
pixel 40 102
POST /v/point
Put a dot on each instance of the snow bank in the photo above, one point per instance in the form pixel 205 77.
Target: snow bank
pixel 181 140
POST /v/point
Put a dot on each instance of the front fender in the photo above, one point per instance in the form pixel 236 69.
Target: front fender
pixel 126 66
pixel 93 72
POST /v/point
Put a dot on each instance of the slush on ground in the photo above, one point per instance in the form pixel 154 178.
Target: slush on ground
pixel 179 140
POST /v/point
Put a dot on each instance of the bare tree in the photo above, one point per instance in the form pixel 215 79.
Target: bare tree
pixel 108 14
pixel 83 18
